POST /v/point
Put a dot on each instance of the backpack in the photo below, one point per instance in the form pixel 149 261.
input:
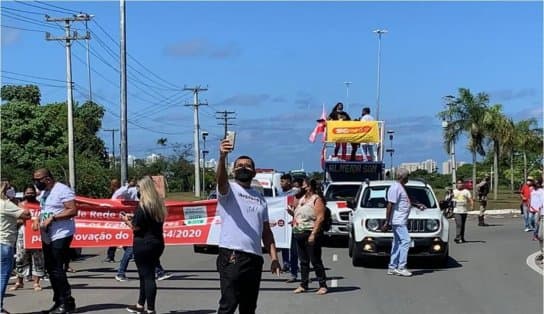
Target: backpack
pixel 327 222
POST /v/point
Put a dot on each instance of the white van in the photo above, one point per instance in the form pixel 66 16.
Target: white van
pixel 270 180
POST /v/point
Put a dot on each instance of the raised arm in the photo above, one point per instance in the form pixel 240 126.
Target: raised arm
pixel 221 175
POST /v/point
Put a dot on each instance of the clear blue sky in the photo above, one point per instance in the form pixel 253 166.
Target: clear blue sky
pixel 275 64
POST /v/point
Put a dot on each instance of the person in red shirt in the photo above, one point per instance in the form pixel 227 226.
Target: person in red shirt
pixel 525 194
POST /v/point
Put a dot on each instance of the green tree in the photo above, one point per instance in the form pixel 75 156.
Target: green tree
pixel 467 112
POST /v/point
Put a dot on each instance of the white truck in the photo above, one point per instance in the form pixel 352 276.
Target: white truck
pixel 270 180
pixel 428 228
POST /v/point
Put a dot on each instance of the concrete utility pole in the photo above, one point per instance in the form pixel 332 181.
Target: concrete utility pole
pixel 68 37
pixel 225 116
pixel 379 32
pixel 204 153
pixel 112 143
pixel 124 119
pixel 88 56
pixel 196 104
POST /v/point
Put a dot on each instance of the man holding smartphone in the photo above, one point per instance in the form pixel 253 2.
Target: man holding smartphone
pixel 244 215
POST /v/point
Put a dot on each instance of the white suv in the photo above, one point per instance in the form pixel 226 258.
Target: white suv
pixel 337 195
pixel 428 228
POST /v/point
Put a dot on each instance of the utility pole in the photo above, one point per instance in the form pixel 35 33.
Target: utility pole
pixel 112 143
pixel 225 116
pixel 204 153
pixel 347 83
pixel 124 119
pixel 88 57
pixel 68 37
pixel 196 90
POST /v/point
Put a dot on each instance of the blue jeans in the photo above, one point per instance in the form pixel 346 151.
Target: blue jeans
pixel 400 247
pixel 368 150
pixel 6 266
pixel 127 256
pixel 528 217
pixel 290 257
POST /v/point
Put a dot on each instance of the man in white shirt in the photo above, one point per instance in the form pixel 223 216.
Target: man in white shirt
pixel 396 217
pixel 461 197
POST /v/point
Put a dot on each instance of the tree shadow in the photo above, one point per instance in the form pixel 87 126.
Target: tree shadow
pixel 421 264
pixel 100 307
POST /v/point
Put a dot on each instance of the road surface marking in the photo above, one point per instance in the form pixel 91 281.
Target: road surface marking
pixel 334 283
pixel 532 263
pixel 335 257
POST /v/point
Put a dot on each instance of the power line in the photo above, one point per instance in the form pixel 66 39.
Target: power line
pixel 22 29
pixel 64 11
pixel 34 76
pixel 23 11
pixel 57 7
pixel 32 82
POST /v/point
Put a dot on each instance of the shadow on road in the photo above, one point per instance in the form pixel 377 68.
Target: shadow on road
pixel 193 312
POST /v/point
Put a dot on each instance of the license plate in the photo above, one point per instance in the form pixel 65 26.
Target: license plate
pixel 412 243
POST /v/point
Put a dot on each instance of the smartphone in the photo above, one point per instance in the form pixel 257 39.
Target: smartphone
pixel 231 136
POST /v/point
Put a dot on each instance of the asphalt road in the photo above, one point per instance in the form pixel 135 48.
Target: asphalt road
pixel 488 274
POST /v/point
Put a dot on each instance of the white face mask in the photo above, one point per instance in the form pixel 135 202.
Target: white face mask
pixel 296 190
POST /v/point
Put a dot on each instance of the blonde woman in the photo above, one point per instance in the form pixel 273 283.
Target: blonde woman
pixel 147 225
pixel 9 213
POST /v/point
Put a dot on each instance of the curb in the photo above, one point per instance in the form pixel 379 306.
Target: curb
pixel 496 212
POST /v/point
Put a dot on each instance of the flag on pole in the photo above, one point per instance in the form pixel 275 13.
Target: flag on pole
pixel 320 127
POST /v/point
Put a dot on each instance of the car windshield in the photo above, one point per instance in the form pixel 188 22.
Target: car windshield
pixel 336 192
pixel 376 196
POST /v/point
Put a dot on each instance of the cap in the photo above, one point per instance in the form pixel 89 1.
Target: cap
pixel 530 178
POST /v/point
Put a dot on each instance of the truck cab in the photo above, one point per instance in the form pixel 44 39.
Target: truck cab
pixel 270 180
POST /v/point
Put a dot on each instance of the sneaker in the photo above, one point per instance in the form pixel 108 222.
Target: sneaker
pixel 135 309
pixel 121 278
pixel 391 271
pixel 403 273
pixel 539 258
pixel 108 260
pixel 164 276
pixel 527 230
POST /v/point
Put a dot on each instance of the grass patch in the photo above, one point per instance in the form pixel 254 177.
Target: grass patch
pixel 183 196
pixel 505 199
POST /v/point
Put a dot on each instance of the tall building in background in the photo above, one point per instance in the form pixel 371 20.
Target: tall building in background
pixel 446 166
pixel 429 165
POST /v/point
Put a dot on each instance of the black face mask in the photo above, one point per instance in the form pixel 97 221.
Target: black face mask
pixel 40 185
pixel 243 175
pixel 301 193
pixel 30 198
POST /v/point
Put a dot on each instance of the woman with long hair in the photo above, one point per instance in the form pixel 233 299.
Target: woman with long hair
pixel 28 261
pixel 9 213
pixel 309 215
pixel 147 225
pixel 338 113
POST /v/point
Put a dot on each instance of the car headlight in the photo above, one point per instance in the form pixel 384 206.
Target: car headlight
pixel 432 225
pixel 373 224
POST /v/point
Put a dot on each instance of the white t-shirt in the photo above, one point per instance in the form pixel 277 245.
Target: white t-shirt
pixel 367 117
pixel 537 201
pixel 9 213
pixel 52 203
pixel 125 193
pixel 243 213
pixel 461 199
pixel 401 204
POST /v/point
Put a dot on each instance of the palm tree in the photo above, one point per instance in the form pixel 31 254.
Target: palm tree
pixel 528 138
pixel 498 131
pixel 467 113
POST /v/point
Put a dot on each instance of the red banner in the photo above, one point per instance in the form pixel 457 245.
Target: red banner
pixel 98 223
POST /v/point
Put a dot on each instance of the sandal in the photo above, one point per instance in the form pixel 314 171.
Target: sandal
pixel 70 270
pixel 37 287
pixel 16 286
pixel 299 290
pixel 322 291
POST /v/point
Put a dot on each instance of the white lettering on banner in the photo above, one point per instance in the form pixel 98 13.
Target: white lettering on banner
pixel 103 215
pixel 180 234
pixel 97 237
pixel 36 239
pixel 195 216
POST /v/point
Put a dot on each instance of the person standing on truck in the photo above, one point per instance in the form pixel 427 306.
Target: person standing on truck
pixel 483 190
pixel 368 149
pixel 461 197
pixel 338 113
pixel 244 215
pixel 290 256
pixel 396 218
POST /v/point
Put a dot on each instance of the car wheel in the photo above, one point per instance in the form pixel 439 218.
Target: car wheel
pixel 356 259
pixel 350 246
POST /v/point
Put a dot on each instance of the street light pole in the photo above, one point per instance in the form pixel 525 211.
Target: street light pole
pixel 446 124
pixel 379 32
pixel 204 152
pixel 390 150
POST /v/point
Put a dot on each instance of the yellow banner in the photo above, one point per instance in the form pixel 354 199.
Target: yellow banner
pixel 352 131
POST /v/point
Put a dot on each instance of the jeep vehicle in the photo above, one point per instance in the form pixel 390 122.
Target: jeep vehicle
pixel 428 228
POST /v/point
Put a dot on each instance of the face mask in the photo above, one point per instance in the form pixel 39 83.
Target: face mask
pixel 296 190
pixel 243 175
pixel 10 193
pixel 40 185
pixel 30 198
pixel 300 193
